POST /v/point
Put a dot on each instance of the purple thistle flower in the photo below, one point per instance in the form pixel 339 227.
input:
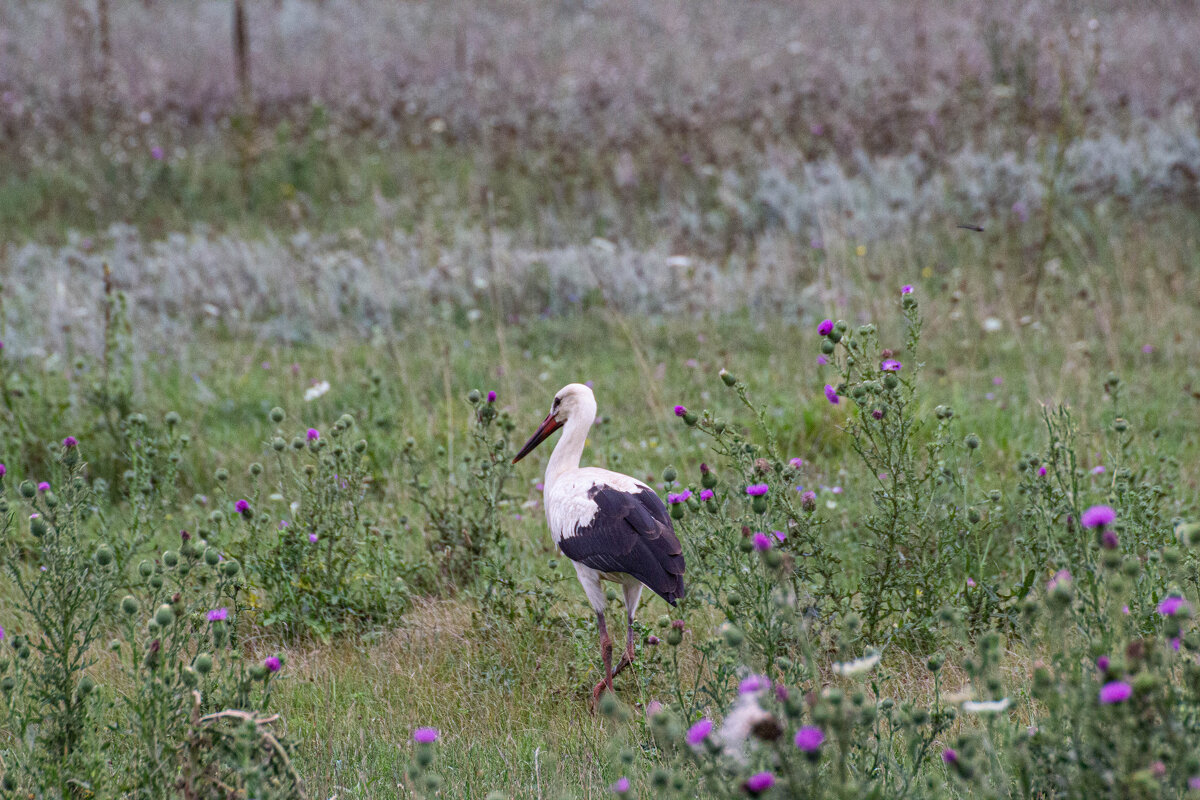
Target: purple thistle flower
pixel 906 289
pixel 218 614
pixel 1147 348
pixel 1102 663
pixel 156 153
pixel 877 413
pixel 44 486
pixel 620 787
pixel 810 738
pixel 699 732
pixel 272 663
pixel 3 470
pixel 70 441
pixel 1115 692
pixel 1099 470
pixel 761 542
pixel 757 489
pixel 1042 472
pixel 706 494
pixel 1096 516
pixel 831 394
pixel 825 327
pixel 313 434
pixel 796 462
pixel 890 365
pixel 759 782
pixel 950 755
pixel 822 360
pixel 1109 540
pixel 780 535
pixel 680 411
pixel 1175 644
pixel 242 507
pixel 679 498
pixel 652 639
pixel 312 537
pixel 425 735
pixel 1061 578
pixel 1170 606
pixel 1194 782
pixel 1 634
pixel 754 683
pixel 491 397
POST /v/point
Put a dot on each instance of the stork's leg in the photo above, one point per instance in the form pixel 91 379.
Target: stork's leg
pixel 606 654
pixel 633 593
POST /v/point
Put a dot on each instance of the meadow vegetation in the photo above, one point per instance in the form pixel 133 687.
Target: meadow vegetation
pixel 267 350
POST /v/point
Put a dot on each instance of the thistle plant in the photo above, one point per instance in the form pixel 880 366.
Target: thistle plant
pixel 461 503
pixel 63 579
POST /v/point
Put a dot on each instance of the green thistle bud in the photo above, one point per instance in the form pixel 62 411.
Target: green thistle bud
pixel 759 504
pixel 360 446
pixel 231 567
pixel 734 636
pixel 50 499
pixel 258 672
pixel 669 475
pixel 211 556
pixel 626 756
pixel 890 381
pixel 972 441
pixel 1111 559
pixel 734 599
pixel 690 419
pixel 7 684
pixel 1112 381
pixel 145 569
pixel 277 415
pixel 104 555
pixel 1145 683
pixel 37 527
pixel 129 604
pixel 908 301
pixel 156 582
pixel 1120 424
pixel 216 517
pixel 835 336
pixel 433 783
pixel 278 444
pixel 973 515
pixel 745 545
pixel 674 637
pixel 677 511
pixel 189 677
pixel 1131 567
pixel 772 558
pixel 663 621
pixel 170 558
pixel 297 442
pixel 165 615
pixel 256 469
pixel 221 474
pixel 728 378
pixel 28 490
pixel 473 397
pixel 827 347
pixel 610 594
pixel 203 663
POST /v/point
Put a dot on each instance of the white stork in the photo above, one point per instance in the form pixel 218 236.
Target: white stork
pixel 611 526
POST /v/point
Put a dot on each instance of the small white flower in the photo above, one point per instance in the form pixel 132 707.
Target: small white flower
pixel 985 706
pixel 315 391
pixel 295 506
pixel 991 325
pixel 858 665
pixel 741 719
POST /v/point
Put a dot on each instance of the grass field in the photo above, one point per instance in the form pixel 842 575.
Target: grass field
pixel 211 292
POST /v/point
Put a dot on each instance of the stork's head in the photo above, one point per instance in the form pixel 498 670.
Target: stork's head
pixel 573 402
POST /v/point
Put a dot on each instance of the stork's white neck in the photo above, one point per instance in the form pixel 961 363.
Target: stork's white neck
pixel 569 449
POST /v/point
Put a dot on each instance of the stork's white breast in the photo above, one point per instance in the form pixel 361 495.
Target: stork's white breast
pixel 568 506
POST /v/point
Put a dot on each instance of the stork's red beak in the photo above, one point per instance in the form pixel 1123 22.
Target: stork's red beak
pixel 549 425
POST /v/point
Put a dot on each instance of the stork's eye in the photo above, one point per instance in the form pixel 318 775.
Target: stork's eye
pixel 557 400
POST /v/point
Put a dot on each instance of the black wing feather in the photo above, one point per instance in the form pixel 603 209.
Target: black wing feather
pixel 631 533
